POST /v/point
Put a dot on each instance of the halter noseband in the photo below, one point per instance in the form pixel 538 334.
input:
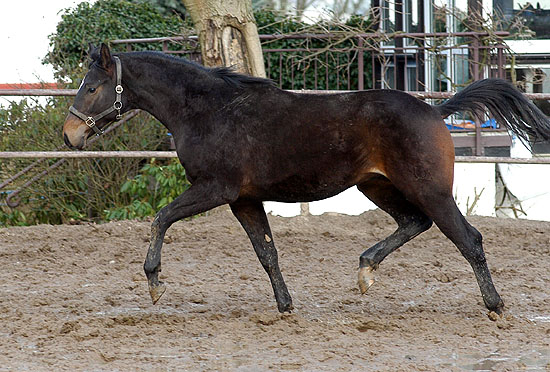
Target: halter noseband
pixel 117 106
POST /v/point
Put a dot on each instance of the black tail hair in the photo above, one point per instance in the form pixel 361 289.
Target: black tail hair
pixel 505 103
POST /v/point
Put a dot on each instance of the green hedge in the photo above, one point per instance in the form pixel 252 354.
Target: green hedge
pixel 83 189
pixel 102 21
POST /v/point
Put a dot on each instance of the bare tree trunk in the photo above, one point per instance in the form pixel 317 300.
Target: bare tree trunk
pixel 227 34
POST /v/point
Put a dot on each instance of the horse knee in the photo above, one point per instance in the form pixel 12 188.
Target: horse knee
pixel 267 256
pixel 158 227
pixel 159 220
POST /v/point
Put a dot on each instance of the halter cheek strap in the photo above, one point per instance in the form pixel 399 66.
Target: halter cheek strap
pixel 117 106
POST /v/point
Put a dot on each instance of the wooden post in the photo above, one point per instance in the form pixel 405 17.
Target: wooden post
pixel 360 65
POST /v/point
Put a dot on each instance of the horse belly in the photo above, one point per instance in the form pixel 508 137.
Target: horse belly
pixel 301 188
pixel 289 194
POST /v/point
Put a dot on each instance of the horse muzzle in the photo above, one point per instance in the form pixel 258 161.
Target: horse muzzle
pixel 75 132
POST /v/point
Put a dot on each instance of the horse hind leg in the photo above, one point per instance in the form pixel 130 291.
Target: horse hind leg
pixel 410 221
pixel 468 240
pixel 437 206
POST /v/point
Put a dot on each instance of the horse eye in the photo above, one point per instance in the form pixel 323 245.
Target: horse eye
pixel 91 90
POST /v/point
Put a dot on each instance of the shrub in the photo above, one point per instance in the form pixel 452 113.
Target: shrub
pixel 79 189
pixel 156 185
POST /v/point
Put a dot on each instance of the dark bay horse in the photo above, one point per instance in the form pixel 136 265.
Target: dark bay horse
pixel 243 141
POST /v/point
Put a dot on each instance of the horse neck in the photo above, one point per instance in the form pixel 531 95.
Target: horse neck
pixel 165 88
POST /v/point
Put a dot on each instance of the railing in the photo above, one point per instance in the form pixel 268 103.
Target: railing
pixel 388 63
pixel 173 154
pixel 12 199
pixel 85 154
pixel 475 139
pixel 396 61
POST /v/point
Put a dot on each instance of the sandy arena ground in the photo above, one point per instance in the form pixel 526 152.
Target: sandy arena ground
pixel 75 298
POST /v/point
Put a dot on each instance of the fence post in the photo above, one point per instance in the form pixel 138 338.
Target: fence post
pixel 479 147
pixel 360 65
pixel 476 58
pixel 479 150
pixel 501 61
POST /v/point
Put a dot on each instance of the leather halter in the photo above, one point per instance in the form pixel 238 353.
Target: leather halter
pixel 117 106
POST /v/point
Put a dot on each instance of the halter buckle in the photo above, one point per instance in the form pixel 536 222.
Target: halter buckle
pixel 90 122
pixel 119 89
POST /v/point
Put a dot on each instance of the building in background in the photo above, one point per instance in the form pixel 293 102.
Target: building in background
pixel 415 65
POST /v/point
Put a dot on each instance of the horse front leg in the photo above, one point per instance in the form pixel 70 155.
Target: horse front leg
pixel 252 217
pixel 197 199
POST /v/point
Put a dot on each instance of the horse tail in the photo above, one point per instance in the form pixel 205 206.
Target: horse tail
pixel 505 103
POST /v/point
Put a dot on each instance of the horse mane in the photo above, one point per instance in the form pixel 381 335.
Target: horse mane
pixel 236 79
pixel 227 74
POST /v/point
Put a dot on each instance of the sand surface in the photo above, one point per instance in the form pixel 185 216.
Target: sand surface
pixel 74 297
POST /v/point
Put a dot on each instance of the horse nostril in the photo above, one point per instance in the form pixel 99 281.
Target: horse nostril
pixel 67 142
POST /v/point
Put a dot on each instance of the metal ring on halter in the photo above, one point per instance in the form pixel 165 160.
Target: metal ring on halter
pixel 118 106
pixel 119 89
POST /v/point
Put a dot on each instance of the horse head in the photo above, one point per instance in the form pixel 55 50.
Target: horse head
pixel 98 101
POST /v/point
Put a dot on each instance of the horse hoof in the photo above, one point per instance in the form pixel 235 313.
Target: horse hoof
pixel 156 291
pixel 497 311
pixel 494 316
pixel 365 278
pixel 285 308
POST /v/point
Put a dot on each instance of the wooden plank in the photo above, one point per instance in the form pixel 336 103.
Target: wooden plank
pixel 486 140
pixel 172 154
pixel 503 160
pixel 86 154
pixel 38 92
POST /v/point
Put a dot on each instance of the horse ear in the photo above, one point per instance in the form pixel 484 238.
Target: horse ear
pixel 105 56
pixel 91 49
pixel 93 53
